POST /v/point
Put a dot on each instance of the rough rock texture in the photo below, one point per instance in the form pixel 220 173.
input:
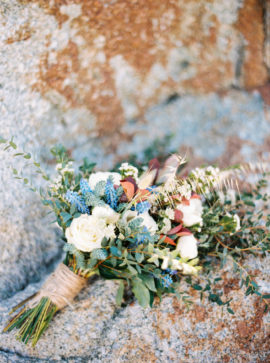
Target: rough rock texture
pixel 95 330
pixel 106 60
pixel 108 78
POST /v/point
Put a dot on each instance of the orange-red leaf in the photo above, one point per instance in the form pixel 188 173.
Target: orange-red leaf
pixel 184 232
pixel 175 229
pixel 185 201
pixel 168 240
pixel 195 196
pixel 178 215
pixel 129 189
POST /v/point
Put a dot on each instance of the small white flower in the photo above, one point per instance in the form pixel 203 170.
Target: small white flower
pixel 187 246
pixel 188 269
pixel 169 212
pixel 184 189
pixel 127 169
pixel 87 232
pixel 192 213
pixel 184 267
pixel 103 176
pixel 67 169
pixel 106 213
pixel 236 220
pixel 109 231
pixel 165 263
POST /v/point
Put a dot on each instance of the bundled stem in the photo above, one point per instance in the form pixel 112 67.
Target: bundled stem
pixel 38 310
pixel 32 322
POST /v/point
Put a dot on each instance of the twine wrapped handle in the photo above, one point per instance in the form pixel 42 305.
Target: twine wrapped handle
pixel 61 287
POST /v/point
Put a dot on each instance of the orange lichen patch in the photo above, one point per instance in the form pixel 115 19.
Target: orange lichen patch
pixel 250 24
pixel 52 8
pixel 228 283
pixel 210 79
pixel 137 351
pixel 161 326
pixel 246 329
pixel 212 73
pixel 127 27
pixel 200 313
pixel 141 32
pixel 122 29
pixel 23 33
pixel 265 93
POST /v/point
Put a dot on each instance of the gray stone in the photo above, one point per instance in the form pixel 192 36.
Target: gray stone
pixel 96 330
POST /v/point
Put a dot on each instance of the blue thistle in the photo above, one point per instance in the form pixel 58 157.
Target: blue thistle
pixel 171 272
pixel 75 198
pixel 143 207
pixel 166 280
pixel 84 186
pixel 111 194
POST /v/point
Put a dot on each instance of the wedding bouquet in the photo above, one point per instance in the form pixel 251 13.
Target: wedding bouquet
pixel 148 227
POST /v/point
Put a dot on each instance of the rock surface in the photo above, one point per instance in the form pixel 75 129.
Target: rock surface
pixel 95 330
pixel 109 61
pixel 107 80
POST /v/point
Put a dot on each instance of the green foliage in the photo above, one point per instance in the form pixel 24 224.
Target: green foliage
pixel 120 293
pixel 87 167
pixel 141 292
pixel 81 258
pixel 100 188
pixel 92 200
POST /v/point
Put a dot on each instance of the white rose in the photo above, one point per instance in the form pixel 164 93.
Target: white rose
pixel 148 221
pixel 106 213
pixel 192 213
pixel 187 246
pixel 86 232
pixel 103 176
